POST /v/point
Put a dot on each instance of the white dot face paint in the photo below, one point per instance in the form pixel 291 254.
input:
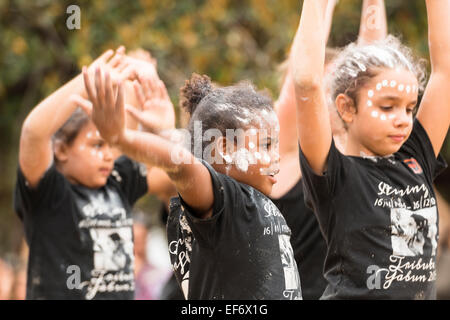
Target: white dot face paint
pixel 401 87
pixel 370 93
pixel 408 89
pixel 379 86
pixel 257 155
pixel 369 103
pixel 266 158
pixel 383 117
pixel 251 145
pixel 392 116
pixel 374 114
pixel 385 83
pixel 242 159
pixel 89 135
pixel 393 83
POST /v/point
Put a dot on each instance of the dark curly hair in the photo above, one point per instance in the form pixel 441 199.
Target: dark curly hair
pixel 222 108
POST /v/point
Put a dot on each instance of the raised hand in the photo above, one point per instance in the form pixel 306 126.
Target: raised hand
pixel 116 63
pixel 108 111
pixel 157 112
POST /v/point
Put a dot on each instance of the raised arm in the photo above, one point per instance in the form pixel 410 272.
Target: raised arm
pixel 190 176
pixel 286 106
pixel 434 110
pixel 307 65
pixel 35 151
pixel 373 24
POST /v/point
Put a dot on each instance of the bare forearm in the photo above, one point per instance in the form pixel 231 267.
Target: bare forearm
pixel 50 114
pixel 189 175
pixel 307 61
pixel 329 18
pixel 438 34
pixel 373 24
pixel 154 150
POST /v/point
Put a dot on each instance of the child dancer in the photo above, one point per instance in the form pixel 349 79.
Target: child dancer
pixel 375 204
pixel 307 241
pixel 74 200
pixel 227 240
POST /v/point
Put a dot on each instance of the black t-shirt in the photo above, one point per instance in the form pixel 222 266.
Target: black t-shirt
pixel 242 252
pixel 307 241
pixel 379 219
pixel 80 239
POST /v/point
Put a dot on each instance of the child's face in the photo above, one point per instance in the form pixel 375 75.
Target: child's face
pixel 384 117
pixel 89 160
pixel 256 160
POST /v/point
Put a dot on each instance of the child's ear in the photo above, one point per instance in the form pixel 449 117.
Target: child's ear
pixel 60 149
pixel 346 107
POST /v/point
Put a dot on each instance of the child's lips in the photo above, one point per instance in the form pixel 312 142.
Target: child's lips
pixel 397 138
pixel 106 171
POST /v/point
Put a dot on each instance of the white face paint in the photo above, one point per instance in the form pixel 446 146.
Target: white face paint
pixel 379 86
pixel 370 93
pixel 393 83
pixel 257 156
pixel 383 117
pixel 81 148
pixel 251 145
pixel 369 103
pixel 241 158
pixel 374 114
pixel 266 159
pixel 401 87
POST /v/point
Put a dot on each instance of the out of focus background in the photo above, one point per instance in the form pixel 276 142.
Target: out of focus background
pixel 228 40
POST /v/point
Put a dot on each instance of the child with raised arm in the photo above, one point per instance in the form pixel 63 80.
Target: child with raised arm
pixel 227 240
pixel 307 241
pixel 375 202
pixel 75 200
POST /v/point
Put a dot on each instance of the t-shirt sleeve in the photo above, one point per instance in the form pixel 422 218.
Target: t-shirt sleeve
pixel 419 147
pixel 319 189
pixel 49 192
pixel 226 202
pixel 132 178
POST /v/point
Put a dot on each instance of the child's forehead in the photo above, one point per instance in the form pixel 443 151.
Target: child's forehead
pixel 263 120
pixel 387 77
pixel 396 83
pixel 89 131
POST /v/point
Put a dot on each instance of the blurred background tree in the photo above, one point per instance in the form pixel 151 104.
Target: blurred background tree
pixel 229 40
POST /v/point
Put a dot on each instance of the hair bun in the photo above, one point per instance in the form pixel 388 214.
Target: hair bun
pixel 194 90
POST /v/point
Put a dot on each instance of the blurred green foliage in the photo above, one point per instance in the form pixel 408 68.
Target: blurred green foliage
pixel 229 40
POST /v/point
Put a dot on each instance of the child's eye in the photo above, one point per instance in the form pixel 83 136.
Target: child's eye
pixel 386 108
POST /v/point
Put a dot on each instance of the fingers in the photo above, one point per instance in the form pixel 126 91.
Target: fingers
pixel 87 84
pixel 84 104
pixel 120 102
pixel 106 56
pixel 138 91
pixel 146 121
pixel 99 85
pixel 118 57
pixel 109 91
pixel 163 90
